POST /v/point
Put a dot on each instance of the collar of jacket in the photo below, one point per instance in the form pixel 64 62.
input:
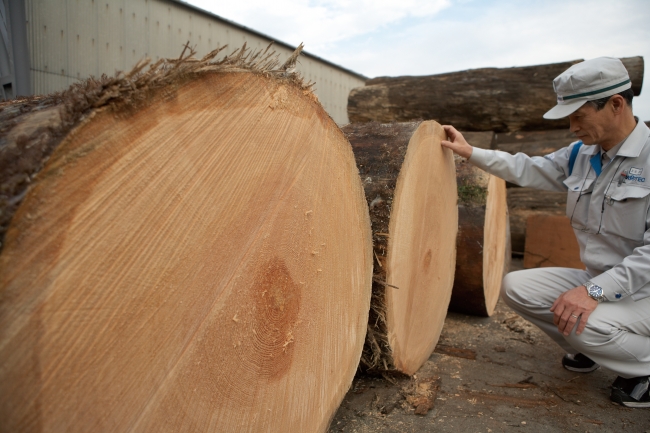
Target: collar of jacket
pixel 633 143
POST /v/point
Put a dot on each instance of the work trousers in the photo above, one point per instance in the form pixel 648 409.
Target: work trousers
pixel 617 335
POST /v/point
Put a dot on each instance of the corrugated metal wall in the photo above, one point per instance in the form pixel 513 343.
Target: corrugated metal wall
pixel 73 39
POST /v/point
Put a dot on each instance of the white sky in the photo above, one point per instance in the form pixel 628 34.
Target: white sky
pixel 422 37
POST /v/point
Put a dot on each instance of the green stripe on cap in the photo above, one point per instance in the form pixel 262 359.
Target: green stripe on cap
pixel 580 95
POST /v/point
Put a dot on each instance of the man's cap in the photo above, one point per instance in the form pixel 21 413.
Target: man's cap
pixel 586 81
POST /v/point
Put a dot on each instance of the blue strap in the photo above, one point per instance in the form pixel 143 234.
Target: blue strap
pixel 574 154
pixel 596 163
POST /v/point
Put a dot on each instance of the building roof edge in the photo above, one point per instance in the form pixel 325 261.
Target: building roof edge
pixel 255 32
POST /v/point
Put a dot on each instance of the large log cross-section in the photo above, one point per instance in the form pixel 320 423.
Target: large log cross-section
pixel 194 255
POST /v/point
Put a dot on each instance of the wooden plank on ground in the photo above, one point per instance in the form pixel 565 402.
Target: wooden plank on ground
pixel 550 241
pixel 524 202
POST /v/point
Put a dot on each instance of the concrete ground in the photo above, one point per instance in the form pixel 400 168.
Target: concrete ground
pixel 496 374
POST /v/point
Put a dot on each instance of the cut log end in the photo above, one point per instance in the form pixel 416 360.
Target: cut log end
pixel 409 181
pixel 423 230
pixel 187 266
pixel 483 255
pixel 32 127
pixel 495 242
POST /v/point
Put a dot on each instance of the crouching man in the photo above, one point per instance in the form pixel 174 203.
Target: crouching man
pixel 600 315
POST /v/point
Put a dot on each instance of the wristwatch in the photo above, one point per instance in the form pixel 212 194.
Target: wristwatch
pixel 596 292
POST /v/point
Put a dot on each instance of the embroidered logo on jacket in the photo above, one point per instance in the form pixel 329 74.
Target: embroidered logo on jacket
pixel 634 173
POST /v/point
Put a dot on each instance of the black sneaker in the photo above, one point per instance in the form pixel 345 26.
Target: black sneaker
pixel 632 392
pixel 579 363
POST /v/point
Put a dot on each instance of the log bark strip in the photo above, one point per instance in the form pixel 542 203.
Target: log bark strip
pixel 482 253
pixel 487 99
pixel 409 182
pixel 534 143
pixel 196 256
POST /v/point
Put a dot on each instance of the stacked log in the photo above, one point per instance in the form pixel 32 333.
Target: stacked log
pixel 534 143
pixel 409 182
pixel 482 139
pixel 488 99
pixel 186 247
pixel 483 245
pixel 524 202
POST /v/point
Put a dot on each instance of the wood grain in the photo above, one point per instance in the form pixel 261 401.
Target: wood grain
pixel 203 263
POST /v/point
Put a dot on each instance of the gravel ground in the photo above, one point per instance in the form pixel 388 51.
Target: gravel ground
pixel 496 374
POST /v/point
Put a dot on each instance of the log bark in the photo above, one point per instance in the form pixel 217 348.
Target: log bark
pixel 194 255
pixel 550 241
pixel 410 188
pixel 534 143
pixel 481 139
pixel 482 251
pixel 487 99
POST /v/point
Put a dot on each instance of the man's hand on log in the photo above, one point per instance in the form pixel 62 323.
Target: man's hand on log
pixel 456 142
pixel 570 306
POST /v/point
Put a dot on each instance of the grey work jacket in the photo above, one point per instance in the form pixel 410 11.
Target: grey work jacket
pixel 609 213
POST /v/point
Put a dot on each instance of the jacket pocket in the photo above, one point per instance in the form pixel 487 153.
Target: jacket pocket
pixel 626 211
pixel 578 197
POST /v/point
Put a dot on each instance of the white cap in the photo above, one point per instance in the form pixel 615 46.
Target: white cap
pixel 586 81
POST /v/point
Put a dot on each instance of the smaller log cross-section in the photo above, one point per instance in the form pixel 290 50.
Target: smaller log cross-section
pixel 410 186
pixel 483 253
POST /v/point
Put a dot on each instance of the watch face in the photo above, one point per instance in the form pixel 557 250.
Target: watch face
pixel 595 291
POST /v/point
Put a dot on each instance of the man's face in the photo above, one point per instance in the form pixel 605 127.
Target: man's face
pixel 590 125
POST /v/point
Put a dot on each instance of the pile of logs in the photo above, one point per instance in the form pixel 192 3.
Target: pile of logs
pixel 197 246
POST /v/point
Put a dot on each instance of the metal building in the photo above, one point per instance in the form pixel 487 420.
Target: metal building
pixel 74 39
pixel 14 59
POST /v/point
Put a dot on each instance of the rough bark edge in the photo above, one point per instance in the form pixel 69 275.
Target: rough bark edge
pixel 376 357
pixel 23 153
pixel 472 183
pixel 377 353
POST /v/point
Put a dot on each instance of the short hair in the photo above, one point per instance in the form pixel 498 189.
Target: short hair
pixel 598 104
